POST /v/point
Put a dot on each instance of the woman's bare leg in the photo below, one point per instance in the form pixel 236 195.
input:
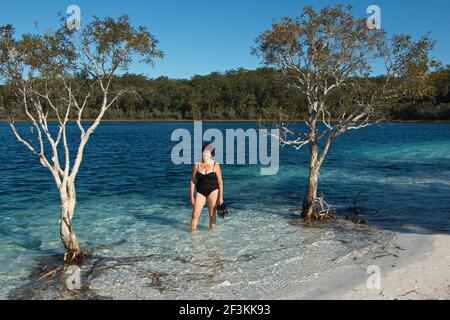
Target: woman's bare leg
pixel 200 201
pixel 212 203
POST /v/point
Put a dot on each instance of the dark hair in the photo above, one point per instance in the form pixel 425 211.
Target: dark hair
pixel 206 145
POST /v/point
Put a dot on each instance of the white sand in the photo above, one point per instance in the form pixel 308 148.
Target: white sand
pixel 416 267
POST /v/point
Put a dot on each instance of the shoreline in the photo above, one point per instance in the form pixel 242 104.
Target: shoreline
pixel 413 267
pixel 418 269
pixel 2 120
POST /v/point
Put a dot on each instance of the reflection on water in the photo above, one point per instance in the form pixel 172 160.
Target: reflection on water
pixel 133 208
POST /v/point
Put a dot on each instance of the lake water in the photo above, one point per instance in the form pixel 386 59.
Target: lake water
pixel 133 208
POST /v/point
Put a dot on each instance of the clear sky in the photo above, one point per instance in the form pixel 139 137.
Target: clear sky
pixel 202 36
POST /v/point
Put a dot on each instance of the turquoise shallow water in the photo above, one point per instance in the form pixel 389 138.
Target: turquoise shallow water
pixel 131 194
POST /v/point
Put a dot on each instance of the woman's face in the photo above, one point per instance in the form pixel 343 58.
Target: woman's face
pixel 206 154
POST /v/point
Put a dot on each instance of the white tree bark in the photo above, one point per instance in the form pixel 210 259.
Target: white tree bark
pixel 68 203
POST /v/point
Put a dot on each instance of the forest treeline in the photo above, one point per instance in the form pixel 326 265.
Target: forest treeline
pixel 235 94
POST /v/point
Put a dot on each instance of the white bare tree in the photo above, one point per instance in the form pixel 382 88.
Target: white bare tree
pixel 328 56
pixel 56 76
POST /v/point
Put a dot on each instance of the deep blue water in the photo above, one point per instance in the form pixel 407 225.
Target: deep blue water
pixel 129 189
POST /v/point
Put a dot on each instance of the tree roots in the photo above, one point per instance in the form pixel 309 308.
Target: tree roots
pixel 76 256
pixel 322 210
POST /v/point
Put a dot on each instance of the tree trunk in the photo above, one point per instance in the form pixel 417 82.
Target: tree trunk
pixel 67 234
pixel 308 209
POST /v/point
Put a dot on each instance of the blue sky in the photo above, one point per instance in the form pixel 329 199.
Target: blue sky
pixel 200 36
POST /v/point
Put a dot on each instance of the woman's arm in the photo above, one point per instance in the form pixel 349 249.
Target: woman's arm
pixel 194 173
pixel 220 181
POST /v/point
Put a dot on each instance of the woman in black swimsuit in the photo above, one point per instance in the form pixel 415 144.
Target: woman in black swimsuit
pixel 207 180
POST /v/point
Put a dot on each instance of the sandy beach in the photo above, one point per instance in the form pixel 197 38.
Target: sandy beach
pixel 413 267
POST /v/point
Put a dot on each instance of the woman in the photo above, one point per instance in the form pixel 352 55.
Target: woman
pixel 207 180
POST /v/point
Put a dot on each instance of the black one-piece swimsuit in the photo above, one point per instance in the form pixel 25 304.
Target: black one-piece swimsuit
pixel 206 183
